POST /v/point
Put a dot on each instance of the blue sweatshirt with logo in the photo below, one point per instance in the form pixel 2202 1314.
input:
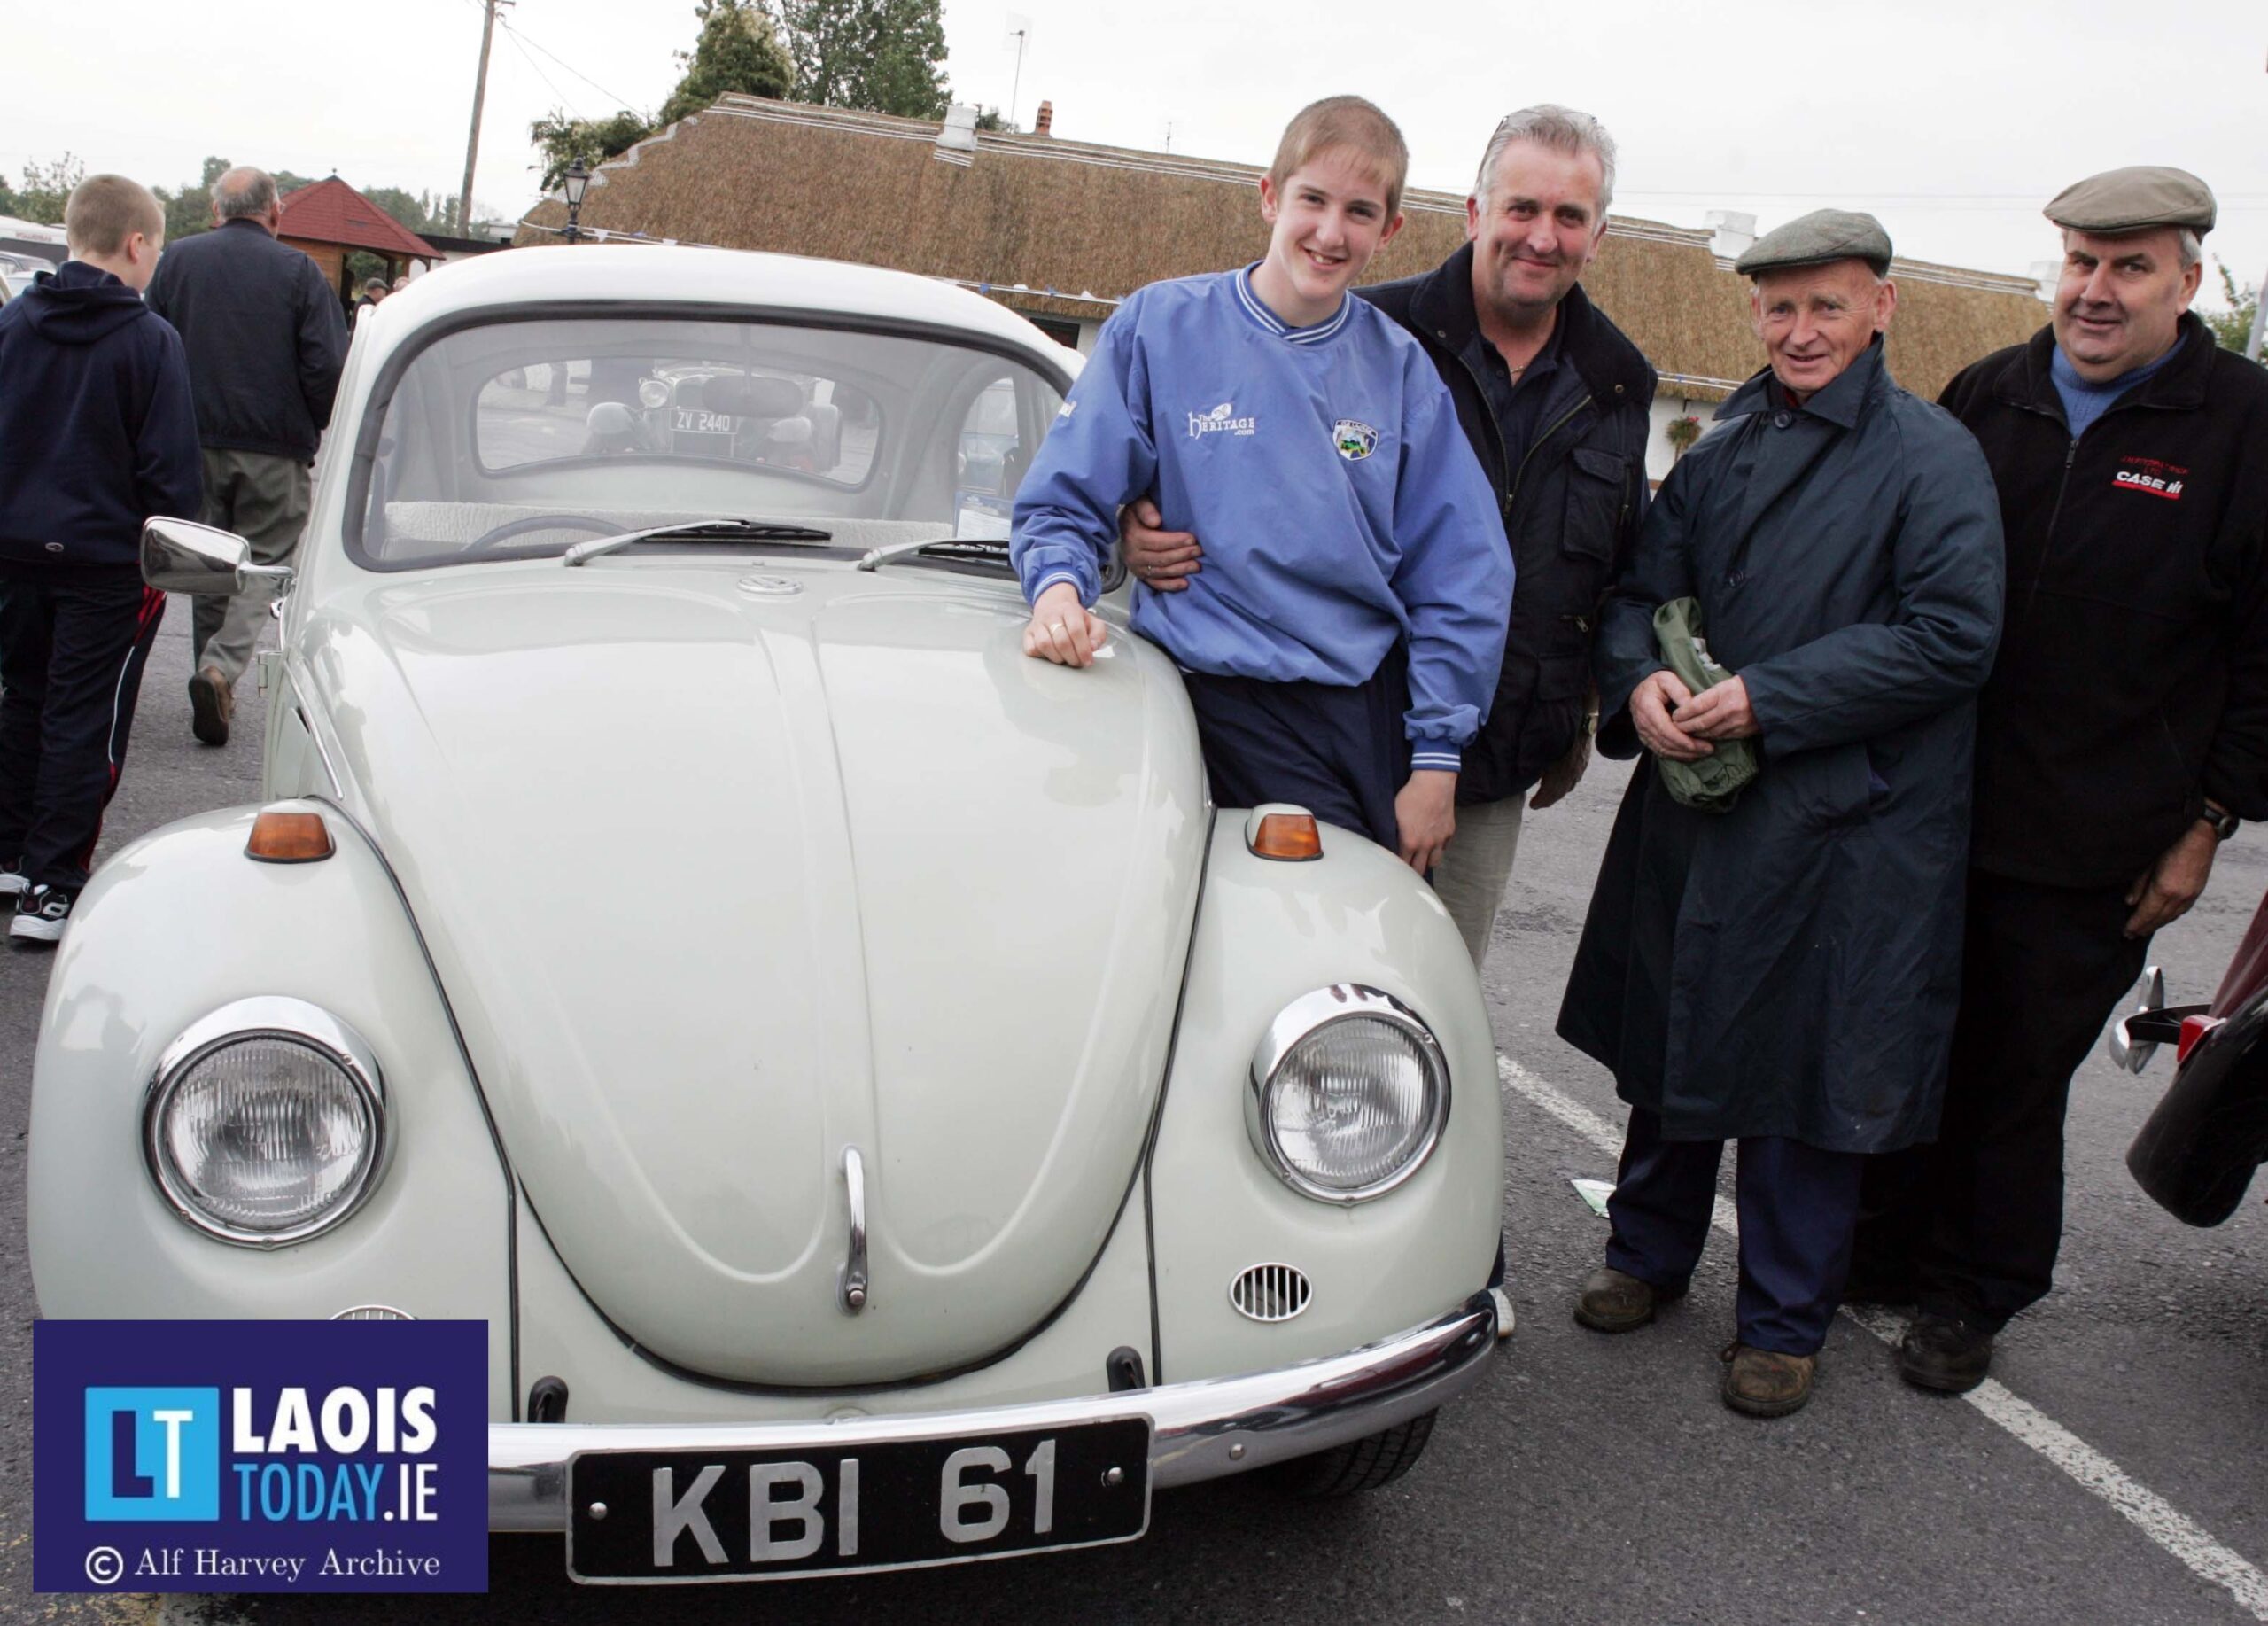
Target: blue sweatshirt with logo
pixel 97 433
pixel 1323 470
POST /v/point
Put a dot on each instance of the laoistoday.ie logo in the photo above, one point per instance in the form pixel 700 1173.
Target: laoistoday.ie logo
pixel 214 1456
pixel 1221 420
pixel 153 1455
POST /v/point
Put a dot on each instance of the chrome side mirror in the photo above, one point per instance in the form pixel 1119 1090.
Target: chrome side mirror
pixel 2125 1049
pixel 179 556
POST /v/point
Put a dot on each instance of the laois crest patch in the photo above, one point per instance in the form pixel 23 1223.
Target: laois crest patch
pixel 1355 440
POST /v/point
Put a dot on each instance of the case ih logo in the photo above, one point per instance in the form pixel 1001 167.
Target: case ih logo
pixel 2160 479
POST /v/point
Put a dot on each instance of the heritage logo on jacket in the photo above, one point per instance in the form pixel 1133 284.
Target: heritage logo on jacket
pixel 1221 420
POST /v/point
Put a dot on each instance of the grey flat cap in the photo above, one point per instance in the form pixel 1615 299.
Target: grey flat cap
pixel 1819 237
pixel 2135 200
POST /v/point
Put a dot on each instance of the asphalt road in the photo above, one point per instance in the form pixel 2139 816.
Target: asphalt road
pixel 1588 1478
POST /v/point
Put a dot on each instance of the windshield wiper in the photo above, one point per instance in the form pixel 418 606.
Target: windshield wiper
pixel 982 548
pixel 751 529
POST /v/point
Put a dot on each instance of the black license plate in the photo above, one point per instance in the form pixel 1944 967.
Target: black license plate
pixel 740 1515
pixel 687 421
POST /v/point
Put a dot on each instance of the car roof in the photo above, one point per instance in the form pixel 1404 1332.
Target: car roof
pixel 675 275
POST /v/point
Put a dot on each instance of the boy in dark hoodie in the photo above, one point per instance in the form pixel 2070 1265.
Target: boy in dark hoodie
pixel 96 434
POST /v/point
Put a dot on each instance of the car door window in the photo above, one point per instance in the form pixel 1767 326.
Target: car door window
pixel 989 461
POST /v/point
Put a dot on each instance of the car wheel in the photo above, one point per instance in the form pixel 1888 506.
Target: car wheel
pixel 1365 1465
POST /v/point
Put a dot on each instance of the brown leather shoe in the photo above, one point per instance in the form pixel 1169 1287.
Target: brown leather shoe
pixel 1765 1383
pixel 211 702
pixel 1614 1300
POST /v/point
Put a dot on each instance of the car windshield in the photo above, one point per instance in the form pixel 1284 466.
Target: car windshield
pixel 519 439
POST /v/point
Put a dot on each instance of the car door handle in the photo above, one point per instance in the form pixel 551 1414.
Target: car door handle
pixel 850 1284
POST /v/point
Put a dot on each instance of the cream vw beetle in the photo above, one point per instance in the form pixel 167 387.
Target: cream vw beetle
pixel 884 1113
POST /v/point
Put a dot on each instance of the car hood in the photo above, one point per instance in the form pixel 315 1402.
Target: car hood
pixel 728 866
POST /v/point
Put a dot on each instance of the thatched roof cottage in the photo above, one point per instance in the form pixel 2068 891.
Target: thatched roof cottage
pixel 1061 229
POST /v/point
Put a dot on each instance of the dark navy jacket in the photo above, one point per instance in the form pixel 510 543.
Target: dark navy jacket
pixel 1791 967
pixel 97 431
pixel 266 338
pixel 1570 508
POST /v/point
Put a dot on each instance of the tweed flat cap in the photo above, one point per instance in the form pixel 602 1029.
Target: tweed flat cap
pixel 2135 200
pixel 1819 238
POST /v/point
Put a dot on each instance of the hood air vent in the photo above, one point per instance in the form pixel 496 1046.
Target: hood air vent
pixel 1271 1292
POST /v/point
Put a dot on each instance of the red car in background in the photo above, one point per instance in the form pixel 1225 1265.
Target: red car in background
pixel 2196 1153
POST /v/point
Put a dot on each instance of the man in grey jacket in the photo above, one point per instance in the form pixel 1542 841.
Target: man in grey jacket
pixel 266 341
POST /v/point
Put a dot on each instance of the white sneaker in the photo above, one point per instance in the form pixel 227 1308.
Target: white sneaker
pixel 12 885
pixel 1504 1312
pixel 41 915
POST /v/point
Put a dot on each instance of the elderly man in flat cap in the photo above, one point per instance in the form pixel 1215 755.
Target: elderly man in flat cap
pixel 2122 735
pixel 1774 961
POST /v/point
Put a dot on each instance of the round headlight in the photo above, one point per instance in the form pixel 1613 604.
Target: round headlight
pixel 266 1123
pixel 1349 1092
pixel 653 393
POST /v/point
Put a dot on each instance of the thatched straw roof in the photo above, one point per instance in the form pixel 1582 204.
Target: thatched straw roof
pixel 1061 228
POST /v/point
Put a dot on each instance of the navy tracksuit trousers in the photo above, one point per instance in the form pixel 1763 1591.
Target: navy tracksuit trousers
pixel 70 659
pixel 1340 753
pixel 1799 1209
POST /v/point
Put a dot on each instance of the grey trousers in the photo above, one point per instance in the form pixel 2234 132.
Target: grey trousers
pixel 263 499
pixel 1474 868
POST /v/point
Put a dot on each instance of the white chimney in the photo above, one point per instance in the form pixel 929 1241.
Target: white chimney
pixel 957 137
pixel 1731 232
pixel 2047 273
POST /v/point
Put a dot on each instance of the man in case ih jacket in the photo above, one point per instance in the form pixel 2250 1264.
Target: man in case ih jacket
pixel 96 434
pixel 2122 735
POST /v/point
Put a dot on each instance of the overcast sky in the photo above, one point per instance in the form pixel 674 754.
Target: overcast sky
pixel 1951 119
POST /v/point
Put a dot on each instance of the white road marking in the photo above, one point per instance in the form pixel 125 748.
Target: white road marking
pixel 2172 1530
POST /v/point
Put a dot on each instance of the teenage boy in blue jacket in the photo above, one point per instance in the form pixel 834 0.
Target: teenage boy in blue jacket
pixel 1341 646
pixel 96 434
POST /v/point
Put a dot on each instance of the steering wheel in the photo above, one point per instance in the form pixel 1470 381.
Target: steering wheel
pixel 511 528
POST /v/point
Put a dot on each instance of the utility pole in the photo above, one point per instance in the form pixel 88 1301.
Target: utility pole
pixel 479 95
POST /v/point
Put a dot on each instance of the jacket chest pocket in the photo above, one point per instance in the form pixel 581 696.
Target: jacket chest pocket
pixel 1565 582
pixel 1596 495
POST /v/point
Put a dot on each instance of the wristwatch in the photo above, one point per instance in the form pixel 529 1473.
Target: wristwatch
pixel 2222 824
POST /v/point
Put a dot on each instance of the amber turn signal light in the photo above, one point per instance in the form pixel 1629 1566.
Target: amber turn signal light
pixel 283 837
pixel 1285 833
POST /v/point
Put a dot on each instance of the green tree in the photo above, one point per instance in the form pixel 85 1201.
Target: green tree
pixel 737 52
pixel 993 119
pixel 414 210
pixel 563 139
pixel 883 56
pixel 46 188
pixel 2234 326
pixel 189 208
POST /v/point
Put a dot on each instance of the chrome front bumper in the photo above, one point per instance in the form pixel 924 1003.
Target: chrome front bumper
pixel 1199 1430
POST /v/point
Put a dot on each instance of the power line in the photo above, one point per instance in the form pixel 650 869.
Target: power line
pixel 2009 198
pixel 536 67
pixel 521 34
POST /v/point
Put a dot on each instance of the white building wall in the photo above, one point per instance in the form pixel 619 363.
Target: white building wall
pixel 1668 406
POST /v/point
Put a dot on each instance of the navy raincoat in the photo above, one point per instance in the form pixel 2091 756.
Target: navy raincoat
pixel 1791 968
